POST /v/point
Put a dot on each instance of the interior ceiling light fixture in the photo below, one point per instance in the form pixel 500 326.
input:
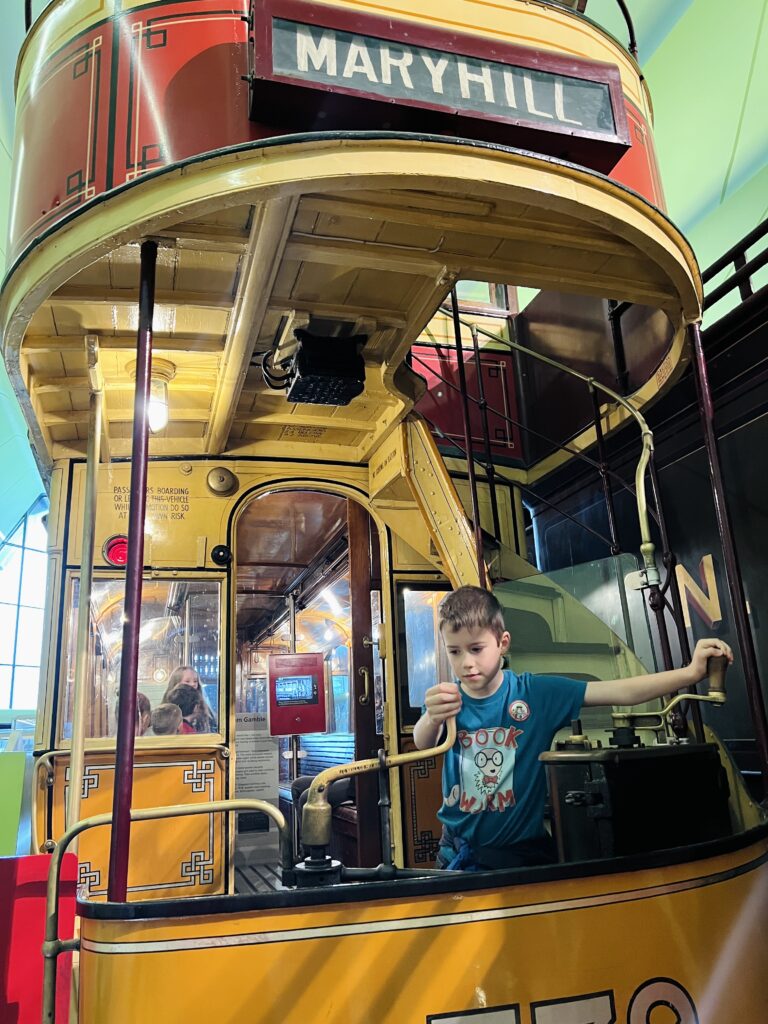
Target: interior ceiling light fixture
pixel 162 372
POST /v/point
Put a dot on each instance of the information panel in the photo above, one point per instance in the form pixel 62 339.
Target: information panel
pixel 296 694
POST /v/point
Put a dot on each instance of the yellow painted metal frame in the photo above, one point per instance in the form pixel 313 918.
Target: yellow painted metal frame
pixel 449 954
pixel 263 175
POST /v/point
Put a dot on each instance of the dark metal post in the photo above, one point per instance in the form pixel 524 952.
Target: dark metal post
pixel 732 571
pixel 670 562
pixel 126 723
pixel 468 437
pixel 482 402
pixel 615 312
pixel 385 807
pixel 603 470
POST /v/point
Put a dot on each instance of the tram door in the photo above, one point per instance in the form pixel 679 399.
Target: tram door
pixel 307 556
pixel 421 663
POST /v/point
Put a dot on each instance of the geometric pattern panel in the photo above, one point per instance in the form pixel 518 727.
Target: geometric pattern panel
pixel 169 857
pixel 422 796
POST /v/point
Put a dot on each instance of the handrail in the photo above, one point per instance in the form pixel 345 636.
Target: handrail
pixel 735 251
pixel 523 487
pixel 46 761
pixel 742 268
pixel 53 946
pixel 560 445
pixel 647 547
pixel 316 817
pixel 632 44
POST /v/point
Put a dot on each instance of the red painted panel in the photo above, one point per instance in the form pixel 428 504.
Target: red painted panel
pixel 296 694
pixel 638 168
pixel 164 83
pixel 23 882
pixel 181 88
pixel 62 128
pixel 441 404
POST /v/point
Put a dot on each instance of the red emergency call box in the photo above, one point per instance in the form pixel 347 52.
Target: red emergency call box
pixel 296 694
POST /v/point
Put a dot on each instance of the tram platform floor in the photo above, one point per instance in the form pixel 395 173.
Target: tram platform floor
pixel 252 878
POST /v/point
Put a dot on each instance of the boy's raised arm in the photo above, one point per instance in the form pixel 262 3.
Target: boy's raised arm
pixel 441 702
pixel 638 689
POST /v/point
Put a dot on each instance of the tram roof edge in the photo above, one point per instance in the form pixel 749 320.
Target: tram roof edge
pixel 546 223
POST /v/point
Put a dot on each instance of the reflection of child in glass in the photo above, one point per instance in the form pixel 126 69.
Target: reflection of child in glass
pixel 143 713
pixel 494 786
pixel 166 720
pixel 185 675
pixel 190 702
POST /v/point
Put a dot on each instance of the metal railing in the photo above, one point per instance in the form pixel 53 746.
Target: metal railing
pixel 743 269
pixel 663 596
pixel 647 547
pixel 53 946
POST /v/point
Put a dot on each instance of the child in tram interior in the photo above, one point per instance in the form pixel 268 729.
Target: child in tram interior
pixel 494 786
pixel 185 675
pixel 190 703
pixel 143 714
pixel 166 720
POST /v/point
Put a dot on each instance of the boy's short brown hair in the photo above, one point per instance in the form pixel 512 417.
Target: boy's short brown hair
pixel 166 719
pixel 471 608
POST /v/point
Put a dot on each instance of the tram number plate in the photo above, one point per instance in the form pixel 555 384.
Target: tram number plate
pixel 595 1008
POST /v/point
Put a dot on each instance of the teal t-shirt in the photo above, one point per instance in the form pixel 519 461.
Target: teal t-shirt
pixel 494 786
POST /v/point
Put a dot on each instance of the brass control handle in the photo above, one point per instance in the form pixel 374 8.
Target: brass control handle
pixel 316 817
pixel 365 696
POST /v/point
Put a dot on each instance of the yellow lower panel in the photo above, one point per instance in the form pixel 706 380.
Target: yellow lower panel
pixel 168 858
pixel 685 944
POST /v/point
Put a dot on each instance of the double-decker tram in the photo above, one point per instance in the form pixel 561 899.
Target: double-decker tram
pixel 306 299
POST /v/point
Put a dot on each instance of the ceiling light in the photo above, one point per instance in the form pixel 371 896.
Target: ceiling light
pixel 162 371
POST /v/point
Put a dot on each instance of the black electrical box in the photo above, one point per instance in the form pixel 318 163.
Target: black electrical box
pixel 610 802
pixel 327 371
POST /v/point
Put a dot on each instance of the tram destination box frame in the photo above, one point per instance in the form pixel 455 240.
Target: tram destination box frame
pixel 297 699
pixel 316 68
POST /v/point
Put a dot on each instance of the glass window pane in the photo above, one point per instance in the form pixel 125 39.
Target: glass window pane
pixel 34 578
pixel 17 537
pixel 37 533
pixel 10 566
pixel 7 632
pixel 30 636
pixel 5 685
pixel 474 291
pixel 427 663
pixel 178 645
pixel 25 685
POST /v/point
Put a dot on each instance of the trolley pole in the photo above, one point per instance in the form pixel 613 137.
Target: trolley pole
pixel 732 570
pixel 77 753
pixel 468 438
pixel 126 723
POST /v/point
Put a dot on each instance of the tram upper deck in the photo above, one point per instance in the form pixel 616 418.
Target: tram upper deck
pixel 336 167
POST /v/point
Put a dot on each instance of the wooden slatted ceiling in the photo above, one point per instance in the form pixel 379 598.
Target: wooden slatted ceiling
pixel 381 261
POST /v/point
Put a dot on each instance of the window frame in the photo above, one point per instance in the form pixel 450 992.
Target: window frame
pixel 406 715
pixel 108 743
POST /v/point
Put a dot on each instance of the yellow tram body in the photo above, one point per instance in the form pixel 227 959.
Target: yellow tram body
pixel 372 230
pixel 600 948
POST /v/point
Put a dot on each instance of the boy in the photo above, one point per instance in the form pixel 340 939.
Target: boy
pixel 166 720
pixel 494 786
pixel 190 702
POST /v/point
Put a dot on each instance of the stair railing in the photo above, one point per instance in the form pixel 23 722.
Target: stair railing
pixel 648 577
pixel 743 268
pixel 649 572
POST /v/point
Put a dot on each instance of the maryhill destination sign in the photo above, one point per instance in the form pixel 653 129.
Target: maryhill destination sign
pixel 374 59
